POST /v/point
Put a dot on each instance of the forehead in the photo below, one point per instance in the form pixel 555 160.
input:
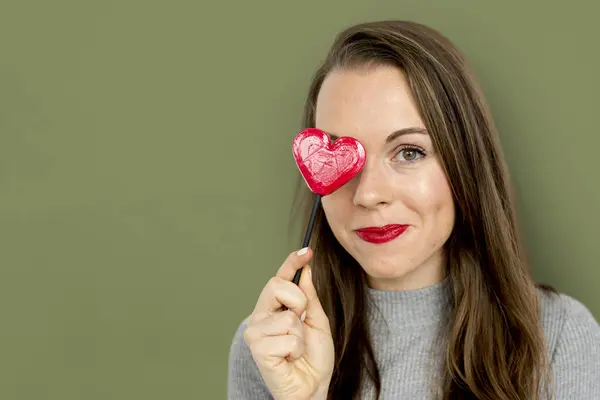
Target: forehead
pixel 367 104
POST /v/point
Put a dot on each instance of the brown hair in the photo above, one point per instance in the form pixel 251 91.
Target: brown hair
pixel 495 343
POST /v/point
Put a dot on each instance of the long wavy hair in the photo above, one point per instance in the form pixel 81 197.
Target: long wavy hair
pixel 495 343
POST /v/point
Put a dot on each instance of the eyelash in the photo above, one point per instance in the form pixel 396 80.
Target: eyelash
pixel 413 148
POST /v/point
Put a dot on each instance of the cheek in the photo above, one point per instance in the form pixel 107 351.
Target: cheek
pixel 431 199
pixel 431 196
pixel 332 207
pixel 336 209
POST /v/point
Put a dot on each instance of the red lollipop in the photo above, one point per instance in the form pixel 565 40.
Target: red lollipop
pixel 325 167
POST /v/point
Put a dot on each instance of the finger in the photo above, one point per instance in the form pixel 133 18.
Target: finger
pixel 273 298
pixel 279 293
pixel 272 349
pixel 315 315
pixel 282 323
pixel 293 262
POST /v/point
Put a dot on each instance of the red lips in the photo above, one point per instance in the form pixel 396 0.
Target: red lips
pixel 382 234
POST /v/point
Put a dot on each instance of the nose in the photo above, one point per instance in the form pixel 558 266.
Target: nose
pixel 373 188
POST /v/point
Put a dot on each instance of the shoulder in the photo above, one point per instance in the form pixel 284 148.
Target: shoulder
pixel 244 380
pixel 573 338
pixel 564 316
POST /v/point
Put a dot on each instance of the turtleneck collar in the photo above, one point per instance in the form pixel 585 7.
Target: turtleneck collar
pixel 409 309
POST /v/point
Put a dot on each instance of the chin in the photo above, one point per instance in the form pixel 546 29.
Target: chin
pixel 386 269
pixel 393 274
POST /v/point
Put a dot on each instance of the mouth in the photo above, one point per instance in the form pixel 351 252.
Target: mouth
pixel 381 234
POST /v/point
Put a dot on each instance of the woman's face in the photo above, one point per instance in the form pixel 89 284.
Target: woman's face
pixel 402 185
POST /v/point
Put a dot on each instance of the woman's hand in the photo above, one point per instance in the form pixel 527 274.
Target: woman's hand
pixel 289 335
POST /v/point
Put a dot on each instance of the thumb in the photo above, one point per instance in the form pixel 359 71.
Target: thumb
pixel 315 315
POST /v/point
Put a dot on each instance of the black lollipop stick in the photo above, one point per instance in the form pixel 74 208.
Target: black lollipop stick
pixel 307 235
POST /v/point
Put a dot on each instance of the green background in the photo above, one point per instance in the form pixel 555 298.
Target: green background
pixel 146 173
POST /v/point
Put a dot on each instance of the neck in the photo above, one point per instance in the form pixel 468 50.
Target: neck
pixel 426 274
pixel 398 310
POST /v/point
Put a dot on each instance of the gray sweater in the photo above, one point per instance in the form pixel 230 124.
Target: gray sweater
pixel 409 349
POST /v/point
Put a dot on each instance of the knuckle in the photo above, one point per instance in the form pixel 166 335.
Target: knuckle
pixel 295 345
pixel 289 318
pixel 256 350
pixel 273 282
pixel 255 317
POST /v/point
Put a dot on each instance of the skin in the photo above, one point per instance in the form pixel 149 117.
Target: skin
pixel 401 183
pixel 289 336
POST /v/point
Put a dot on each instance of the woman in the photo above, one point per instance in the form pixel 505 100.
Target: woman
pixel 415 285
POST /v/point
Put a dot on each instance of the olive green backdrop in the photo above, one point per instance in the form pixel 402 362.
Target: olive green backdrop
pixel 146 172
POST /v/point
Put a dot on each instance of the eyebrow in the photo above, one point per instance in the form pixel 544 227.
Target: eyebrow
pixel 394 135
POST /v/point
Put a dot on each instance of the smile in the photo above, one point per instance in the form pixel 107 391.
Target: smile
pixel 382 234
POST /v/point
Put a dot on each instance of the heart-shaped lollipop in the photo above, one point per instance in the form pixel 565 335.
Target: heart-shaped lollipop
pixel 326 166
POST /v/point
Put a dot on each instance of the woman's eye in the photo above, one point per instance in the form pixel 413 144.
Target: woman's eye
pixel 409 154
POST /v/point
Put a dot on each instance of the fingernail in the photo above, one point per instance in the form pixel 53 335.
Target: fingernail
pixel 302 252
pixel 303 316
